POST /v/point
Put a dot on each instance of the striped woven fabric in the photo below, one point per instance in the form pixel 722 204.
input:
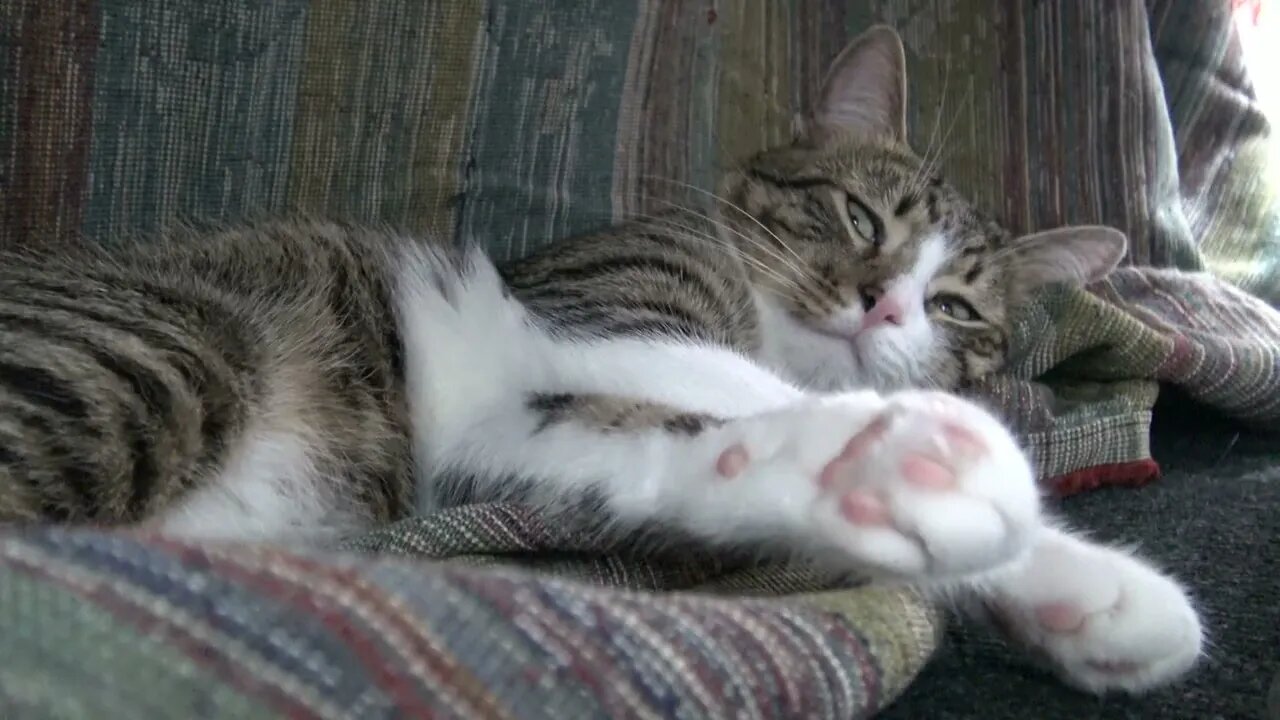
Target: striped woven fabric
pixel 113 626
pixel 519 123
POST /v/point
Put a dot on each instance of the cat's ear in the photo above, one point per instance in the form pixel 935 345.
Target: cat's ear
pixel 1076 255
pixel 864 93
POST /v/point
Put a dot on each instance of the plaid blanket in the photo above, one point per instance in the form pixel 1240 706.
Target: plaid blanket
pixel 1090 364
pixel 522 122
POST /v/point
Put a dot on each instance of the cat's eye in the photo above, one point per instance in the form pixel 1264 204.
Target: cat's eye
pixel 954 307
pixel 860 219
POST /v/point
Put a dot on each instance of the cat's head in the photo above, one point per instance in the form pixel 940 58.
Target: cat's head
pixel 872 270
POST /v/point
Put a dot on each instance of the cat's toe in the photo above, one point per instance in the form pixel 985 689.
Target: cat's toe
pixel 1101 618
pixel 932 488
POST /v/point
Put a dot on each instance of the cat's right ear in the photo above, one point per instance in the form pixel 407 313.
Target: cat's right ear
pixel 864 94
pixel 1075 255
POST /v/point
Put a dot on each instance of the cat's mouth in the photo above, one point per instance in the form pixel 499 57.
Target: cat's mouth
pixel 846 337
pixel 842 336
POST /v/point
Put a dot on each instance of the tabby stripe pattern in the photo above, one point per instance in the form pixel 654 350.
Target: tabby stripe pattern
pixel 111 372
pixel 652 285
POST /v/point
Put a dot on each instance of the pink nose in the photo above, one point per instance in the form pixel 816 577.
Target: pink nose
pixel 887 310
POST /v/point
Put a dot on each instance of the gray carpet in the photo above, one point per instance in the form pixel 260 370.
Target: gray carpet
pixel 1214 521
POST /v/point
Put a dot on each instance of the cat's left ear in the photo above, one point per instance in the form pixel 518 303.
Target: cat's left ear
pixel 1076 255
pixel 864 93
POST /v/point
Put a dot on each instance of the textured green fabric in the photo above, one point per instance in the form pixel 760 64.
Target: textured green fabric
pixel 518 123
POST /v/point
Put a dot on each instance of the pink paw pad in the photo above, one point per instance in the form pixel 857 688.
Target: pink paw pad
pixel 1060 617
pixel 732 462
pixel 854 450
pixel 926 473
pixel 864 509
pixel 964 442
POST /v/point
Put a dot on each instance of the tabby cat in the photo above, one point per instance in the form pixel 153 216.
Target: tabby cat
pixel 742 377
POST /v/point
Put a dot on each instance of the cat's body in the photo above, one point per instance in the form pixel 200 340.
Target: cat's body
pixel 736 376
pixel 138 381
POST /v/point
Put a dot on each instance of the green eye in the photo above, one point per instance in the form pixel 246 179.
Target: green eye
pixel 954 307
pixel 860 219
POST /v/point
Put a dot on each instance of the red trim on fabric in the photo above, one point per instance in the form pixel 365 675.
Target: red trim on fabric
pixel 1138 472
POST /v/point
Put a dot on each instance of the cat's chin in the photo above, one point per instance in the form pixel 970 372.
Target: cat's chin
pixel 824 360
pixel 859 363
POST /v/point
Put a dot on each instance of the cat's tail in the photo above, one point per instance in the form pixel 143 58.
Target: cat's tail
pixel 469 344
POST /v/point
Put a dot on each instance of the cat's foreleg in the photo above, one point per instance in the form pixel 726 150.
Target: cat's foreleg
pixel 1101 617
pixel 916 486
pixel 929 490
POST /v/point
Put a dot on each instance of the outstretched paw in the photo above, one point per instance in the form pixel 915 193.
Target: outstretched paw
pixel 1100 617
pixel 918 485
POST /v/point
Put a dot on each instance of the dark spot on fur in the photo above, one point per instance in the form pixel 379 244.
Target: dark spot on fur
pixel 551 407
pixel 145 473
pixel 82 479
pixel 688 424
pixel 931 205
pixel 973 273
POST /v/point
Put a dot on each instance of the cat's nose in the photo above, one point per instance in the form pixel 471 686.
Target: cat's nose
pixel 887 311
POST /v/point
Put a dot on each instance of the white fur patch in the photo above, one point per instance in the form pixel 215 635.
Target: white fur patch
pixel 931 258
pixel 473 355
pixel 268 491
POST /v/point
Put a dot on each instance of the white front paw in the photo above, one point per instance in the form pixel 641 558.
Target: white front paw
pixel 1102 618
pixel 917 485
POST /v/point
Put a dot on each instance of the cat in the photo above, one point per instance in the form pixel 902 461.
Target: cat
pixel 776 372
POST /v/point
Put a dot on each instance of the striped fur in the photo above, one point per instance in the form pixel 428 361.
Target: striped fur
pixel 129 378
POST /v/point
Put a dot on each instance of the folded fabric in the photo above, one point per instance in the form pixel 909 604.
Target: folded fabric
pixel 1090 364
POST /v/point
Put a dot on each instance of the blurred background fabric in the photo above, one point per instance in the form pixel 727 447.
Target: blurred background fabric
pixel 519 123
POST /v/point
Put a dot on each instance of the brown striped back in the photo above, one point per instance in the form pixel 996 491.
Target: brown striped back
pixel 126 377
